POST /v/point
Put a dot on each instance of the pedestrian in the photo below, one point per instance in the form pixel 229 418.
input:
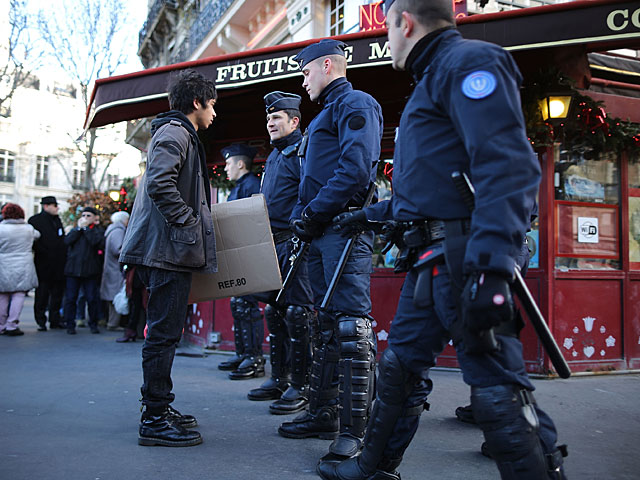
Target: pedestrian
pixel 83 268
pixel 50 258
pixel 341 153
pixel 112 275
pixel 463 115
pixel 17 270
pixel 137 295
pixel 288 322
pixel 169 236
pixel 248 325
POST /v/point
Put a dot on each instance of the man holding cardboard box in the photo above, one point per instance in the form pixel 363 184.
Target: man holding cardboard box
pixel 248 326
pixel 170 236
pixel 288 322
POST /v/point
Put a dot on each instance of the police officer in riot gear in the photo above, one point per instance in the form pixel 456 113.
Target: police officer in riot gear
pixel 341 152
pixel 288 323
pixel 464 115
pixel 248 326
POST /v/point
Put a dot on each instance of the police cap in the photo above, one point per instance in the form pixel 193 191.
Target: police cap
pixel 236 149
pixel 90 210
pixel 276 101
pixel 324 47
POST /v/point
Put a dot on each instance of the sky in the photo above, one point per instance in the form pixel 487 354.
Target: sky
pixel 127 161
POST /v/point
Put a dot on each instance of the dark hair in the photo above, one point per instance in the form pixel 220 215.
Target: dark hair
pixel 187 85
pixel 292 112
pixel 428 13
pixel 11 211
pixel 248 161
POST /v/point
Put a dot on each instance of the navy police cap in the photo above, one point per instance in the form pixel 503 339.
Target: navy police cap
pixel 276 101
pixel 236 149
pixel 324 47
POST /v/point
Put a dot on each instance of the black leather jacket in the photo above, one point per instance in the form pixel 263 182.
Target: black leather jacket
pixel 171 225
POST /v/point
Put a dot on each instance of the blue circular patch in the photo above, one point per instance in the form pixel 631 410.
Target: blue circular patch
pixel 479 84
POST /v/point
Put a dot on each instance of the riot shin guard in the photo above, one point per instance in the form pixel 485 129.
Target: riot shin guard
pixel 356 374
pixel 510 424
pixel 236 313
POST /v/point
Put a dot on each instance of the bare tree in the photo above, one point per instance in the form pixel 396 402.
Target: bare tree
pixel 22 54
pixel 88 40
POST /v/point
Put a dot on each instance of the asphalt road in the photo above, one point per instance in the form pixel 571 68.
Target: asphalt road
pixel 69 409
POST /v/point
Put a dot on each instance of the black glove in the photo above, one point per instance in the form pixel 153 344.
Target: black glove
pixel 486 301
pixel 306 229
pixel 350 223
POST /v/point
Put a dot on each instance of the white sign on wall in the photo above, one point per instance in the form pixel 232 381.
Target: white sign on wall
pixel 587 230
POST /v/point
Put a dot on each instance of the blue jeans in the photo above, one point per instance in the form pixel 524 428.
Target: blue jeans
pixel 166 315
pixel 91 288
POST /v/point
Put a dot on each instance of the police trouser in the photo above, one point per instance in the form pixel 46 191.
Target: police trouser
pixel 248 326
pixel 520 436
pixel 343 367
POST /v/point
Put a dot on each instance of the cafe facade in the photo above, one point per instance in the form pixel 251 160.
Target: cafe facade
pixel 585 264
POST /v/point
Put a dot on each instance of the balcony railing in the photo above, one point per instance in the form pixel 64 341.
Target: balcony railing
pixel 154 11
pixel 205 22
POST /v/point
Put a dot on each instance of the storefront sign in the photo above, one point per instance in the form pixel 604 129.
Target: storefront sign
pixel 371 17
pixel 587 230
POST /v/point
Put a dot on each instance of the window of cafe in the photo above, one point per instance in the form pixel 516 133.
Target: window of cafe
pixel 634 212
pixel 587 203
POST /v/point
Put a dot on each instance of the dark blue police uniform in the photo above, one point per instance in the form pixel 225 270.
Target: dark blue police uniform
pixel 248 326
pixel 463 115
pixel 288 323
pixel 340 158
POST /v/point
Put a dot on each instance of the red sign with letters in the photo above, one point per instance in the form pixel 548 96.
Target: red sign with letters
pixel 372 17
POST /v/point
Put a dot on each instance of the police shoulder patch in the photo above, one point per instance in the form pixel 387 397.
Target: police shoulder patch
pixel 479 84
pixel 357 122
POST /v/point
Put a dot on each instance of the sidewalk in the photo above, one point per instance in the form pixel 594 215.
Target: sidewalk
pixel 69 409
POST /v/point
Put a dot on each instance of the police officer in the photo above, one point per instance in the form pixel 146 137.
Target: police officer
pixel 248 327
pixel 464 115
pixel 340 153
pixel 289 322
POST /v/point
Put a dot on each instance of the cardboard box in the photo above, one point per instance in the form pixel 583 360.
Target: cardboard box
pixel 247 261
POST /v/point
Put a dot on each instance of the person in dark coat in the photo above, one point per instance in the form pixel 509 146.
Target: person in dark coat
pixel 170 235
pixel 464 115
pixel 83 268
pixel 248 326
pixel 50 258
pixel 340 158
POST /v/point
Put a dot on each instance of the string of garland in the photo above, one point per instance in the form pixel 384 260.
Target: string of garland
pixel 587 128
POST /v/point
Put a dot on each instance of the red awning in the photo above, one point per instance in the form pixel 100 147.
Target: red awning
pixel 247 76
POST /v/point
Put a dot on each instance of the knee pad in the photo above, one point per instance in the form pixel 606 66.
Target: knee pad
pixel 297 320
pixel 355 336
pixel 510 424
pixel 275 321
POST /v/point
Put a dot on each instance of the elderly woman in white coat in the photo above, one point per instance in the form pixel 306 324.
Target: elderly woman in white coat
pixel 112 276
pixel 17 270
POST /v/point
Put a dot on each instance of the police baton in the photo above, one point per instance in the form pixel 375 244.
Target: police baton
pixel 467 192
pixel 295 259
pixel 346 251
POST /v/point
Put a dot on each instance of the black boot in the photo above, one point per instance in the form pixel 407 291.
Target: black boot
pixel 279 348
pixel 237 313
pixel 270 390
pixel 465 414
pixel 324 425
pixel 296 398
pixel 293 400
pixel 350 470
pixel 163 429
pixel 250 367
pixel 186 421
